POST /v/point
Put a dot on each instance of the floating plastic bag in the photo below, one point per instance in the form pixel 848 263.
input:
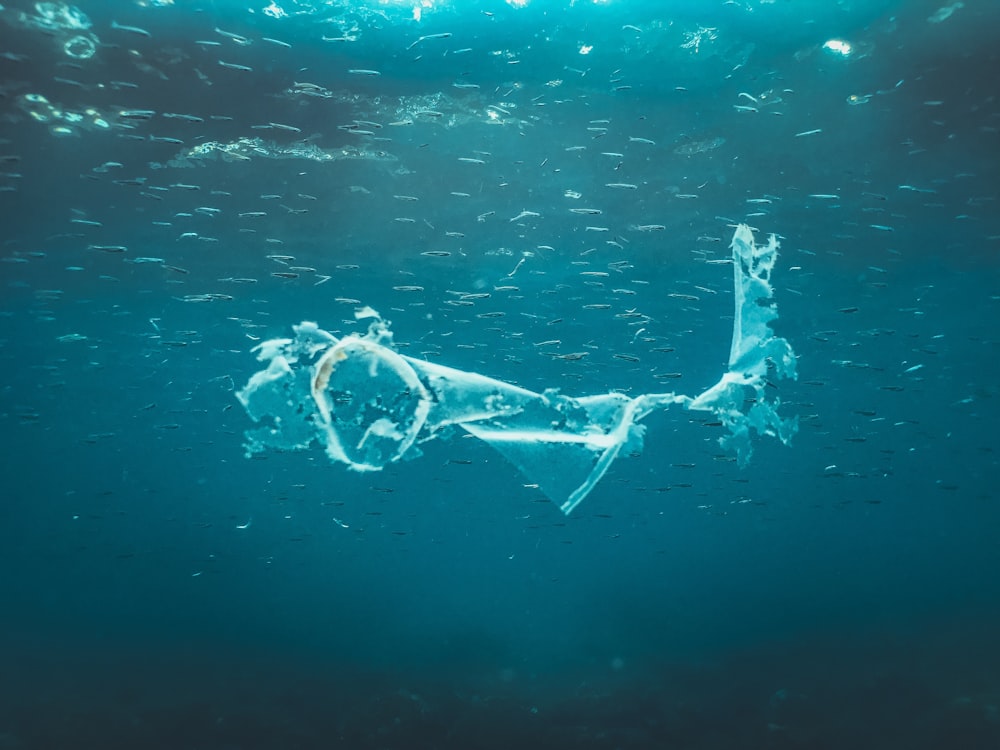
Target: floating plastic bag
pixel 369 405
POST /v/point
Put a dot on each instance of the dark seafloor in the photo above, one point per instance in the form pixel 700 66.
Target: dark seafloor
pixel 179 180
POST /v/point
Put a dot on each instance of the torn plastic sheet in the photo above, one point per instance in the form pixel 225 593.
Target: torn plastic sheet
pixel 368 405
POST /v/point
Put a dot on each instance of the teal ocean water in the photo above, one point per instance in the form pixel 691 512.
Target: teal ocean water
pixel 544 194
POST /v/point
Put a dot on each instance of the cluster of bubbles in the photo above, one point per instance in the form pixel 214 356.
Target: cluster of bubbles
pixel 67 23
pixel 61 121
pixel 244 149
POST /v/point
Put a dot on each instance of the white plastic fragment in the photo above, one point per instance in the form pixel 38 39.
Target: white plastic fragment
pixel 368 406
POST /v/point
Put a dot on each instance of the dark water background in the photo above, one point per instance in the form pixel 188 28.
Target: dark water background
pixel 160 590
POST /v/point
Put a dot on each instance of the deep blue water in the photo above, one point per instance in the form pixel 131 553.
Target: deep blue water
pixel 159 589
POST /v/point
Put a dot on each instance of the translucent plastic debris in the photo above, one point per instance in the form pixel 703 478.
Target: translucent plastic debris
pixel 367 405
pixel 756 355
